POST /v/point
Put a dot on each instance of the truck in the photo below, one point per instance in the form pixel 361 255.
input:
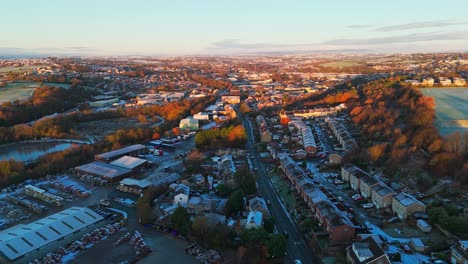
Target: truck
pixel 424 226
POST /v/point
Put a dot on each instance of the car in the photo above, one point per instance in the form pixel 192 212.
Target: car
pixel 268 202
pixel 105 202
pixel 297 261
pixel 406 248
pixel 355 196
pixel 285 234
pixel 367 205
pixel 339 198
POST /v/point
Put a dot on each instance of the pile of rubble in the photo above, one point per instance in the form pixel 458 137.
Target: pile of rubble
pixel 124 238
pixel 137 242
pixel 76 246
pixel 70 189
pixel 204 256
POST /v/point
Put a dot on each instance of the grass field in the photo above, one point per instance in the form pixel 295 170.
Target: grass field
pixel 17 91
pixel 18 69
pixel 284 191
pixel 451 104
pixel 340 64
pixel 23 90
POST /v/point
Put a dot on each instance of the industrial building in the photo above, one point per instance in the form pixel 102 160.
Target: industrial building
pixel 132 150
pixel 40 237
pixel 130 163
pixel 133 185
pixel 106 171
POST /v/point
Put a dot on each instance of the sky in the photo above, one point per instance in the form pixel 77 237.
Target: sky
pixel 220 27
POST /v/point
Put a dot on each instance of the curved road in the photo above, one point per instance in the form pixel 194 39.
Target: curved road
pixel 297 247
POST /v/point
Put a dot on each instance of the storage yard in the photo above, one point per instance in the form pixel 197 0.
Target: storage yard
pixel 118 178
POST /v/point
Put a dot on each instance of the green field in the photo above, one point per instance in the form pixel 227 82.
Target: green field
pixel 23 90
pixel 63 85
pixel 17 91
pixel 18 69
pixel 284 191
pixel 340 64
pixel 451 104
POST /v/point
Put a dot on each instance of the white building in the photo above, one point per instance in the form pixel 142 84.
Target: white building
pixel 188 123
pixel 182 195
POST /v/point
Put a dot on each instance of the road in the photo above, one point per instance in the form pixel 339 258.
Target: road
pixel 297 247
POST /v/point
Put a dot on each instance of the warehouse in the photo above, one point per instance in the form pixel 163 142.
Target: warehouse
pixel 106 171
pixel 19 241
pixel 133 185
pixel 132 150
pixel 130 163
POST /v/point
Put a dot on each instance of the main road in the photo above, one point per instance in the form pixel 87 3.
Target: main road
pixel 297 247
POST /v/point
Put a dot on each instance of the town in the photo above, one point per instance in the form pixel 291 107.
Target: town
pixel 286 159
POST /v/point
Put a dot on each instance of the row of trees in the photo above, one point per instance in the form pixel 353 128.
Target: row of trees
pixel 45 100
pixel 220 84
pixel 12 171
pixel 232 137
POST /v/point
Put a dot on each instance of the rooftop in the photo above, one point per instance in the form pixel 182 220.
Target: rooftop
pixel 128 162
pixel 134 182
pixel 103 169
pixel 111 154
pixel 21 239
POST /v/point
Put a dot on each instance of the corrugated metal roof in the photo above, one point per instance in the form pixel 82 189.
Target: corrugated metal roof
pixel 22 239
pixel 122 151
pixel 103 169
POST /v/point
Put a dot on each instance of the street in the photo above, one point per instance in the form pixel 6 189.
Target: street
pixel 297 247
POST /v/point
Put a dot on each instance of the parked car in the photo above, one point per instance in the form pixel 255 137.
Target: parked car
pixel 356 196
pixel 367 205
pixel 406 248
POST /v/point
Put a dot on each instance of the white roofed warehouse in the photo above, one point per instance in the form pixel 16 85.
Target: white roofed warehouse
pixel 39 237
pixel 132 150
pixel 106 171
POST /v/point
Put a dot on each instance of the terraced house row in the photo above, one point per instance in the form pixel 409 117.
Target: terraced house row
pixel 382 196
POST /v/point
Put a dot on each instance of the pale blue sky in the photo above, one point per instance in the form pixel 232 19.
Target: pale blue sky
pixel 175 27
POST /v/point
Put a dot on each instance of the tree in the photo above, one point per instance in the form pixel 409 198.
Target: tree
pixel 269 225
pixel 376 151
pixel 245 181
pixel 200 228
pixel 194 159
pixel 235 203
pixel 224 189
pixel 244 108
pixel 181 220
pixel 156 136
pixel 253 236
pixel 276 244
pixel 454 143
pixel 142 118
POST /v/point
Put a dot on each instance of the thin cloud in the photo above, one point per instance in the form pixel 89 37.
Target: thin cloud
pixel 236 44
pixel 358 26
pixel 423 24
pixel 417 37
